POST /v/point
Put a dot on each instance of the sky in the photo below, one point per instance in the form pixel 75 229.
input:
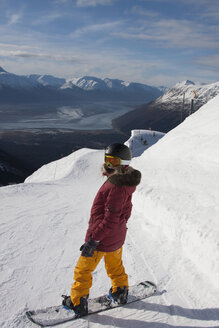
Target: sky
pixel 158 42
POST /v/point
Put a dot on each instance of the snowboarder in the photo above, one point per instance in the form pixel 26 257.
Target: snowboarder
pixel 106 232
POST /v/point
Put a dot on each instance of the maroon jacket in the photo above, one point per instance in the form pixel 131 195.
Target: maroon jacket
pixel 111 210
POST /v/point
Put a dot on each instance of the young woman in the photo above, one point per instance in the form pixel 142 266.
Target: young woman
pixel 107 229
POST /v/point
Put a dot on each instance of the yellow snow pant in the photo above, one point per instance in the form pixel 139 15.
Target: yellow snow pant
pixel 86 265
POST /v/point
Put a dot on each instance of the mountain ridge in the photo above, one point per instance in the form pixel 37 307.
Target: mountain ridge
pixel 166 112
pixel 199 92
pixel 86 88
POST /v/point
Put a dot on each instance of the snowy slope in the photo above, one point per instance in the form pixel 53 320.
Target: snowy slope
pixel 203 93
pixel 141 140
pixel 47 80
pixel 172 237
pixel 85 83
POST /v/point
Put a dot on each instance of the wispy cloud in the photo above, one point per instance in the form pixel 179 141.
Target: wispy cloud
pixel 61 1
pixel 210 13
pixel 131 41
pixel 211 62
pixel 175 33
pixel 93 3
pixel 200 9
pixel 46 19
pixel 94 28
pixel 104 63
pixel 14 18
pixel 144 12
pixel 38 55
pixel 201 2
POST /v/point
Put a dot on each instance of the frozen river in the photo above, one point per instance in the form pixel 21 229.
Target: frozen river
pixel 79 116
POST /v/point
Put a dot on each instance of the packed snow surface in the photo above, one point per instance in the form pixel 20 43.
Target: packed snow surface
pixel 172 234
pixel 141 140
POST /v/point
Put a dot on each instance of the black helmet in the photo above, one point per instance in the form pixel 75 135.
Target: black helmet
pixel 119 150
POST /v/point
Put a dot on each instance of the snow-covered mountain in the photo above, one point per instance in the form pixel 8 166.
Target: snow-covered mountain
pixel 163 89
pixel 85 83
pixel 172 234
pixel 16 81
pixel 47 80
pixel 49 88
pixel 199 92
pixel 167 111
pixel 93 83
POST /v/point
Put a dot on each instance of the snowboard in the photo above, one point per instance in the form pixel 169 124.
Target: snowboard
pixel 55 315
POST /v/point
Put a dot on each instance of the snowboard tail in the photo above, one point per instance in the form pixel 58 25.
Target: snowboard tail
pixel 56 315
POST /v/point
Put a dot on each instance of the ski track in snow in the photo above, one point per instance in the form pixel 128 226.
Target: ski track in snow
pixel 171 239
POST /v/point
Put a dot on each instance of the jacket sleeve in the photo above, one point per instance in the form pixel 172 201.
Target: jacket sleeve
pixel 112 211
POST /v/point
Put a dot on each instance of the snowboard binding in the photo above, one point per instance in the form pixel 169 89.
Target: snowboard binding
pixel 120 296
pixel 80 310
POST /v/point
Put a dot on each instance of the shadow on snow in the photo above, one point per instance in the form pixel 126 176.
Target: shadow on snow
pixel 172 310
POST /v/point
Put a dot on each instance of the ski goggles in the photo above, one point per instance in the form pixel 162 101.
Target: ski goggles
pixel 115 161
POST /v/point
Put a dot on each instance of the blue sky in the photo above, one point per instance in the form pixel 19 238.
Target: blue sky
pixel 159 42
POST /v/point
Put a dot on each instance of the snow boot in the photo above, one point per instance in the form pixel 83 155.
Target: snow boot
pixel 120 296
pixel 80 310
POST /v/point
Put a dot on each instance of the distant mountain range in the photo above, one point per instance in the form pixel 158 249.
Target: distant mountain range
pixel 167 111
pixel 47 88
pixel 161 112
pixel 90 83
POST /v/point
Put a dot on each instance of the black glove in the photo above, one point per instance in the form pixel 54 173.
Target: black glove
pixel 89 247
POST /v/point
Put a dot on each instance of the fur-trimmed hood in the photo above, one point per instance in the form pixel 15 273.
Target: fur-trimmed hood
pixel 130 178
